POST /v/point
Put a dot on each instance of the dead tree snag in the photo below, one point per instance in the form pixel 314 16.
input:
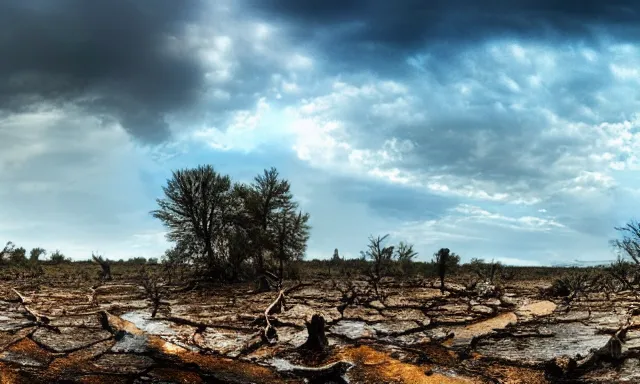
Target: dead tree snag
pixel 105 274
pixel 317 341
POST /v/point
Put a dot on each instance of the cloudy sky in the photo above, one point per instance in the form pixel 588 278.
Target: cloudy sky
pixel 499 129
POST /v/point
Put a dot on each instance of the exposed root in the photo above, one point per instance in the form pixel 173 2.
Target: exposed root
pixel 269 333
pixel 38 319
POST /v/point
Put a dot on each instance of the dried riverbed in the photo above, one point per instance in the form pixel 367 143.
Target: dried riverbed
pixel 56 332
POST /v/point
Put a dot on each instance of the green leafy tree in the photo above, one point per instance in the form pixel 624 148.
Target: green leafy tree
pixel 6 252
pixel 34 255
pixel 242 236
pixel 197 208
pixel 291 235
pixel 218 226
pixel 18 256
pixel 57 257
pixel 273 216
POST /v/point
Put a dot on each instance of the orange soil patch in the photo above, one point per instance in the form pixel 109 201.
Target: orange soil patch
pixel 76 360
pixel 210 363
pixel 175 376
pixel 8 375
pixel 516 375
pixel 251 372
pixel 7 339
pixel 486 326
pixel 538 308
pixel 373 366
pixel 102 380
pixel 28 348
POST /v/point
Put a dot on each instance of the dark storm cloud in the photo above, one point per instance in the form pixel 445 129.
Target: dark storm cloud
pixel 364 31
pixel 413 21
pixel 109 56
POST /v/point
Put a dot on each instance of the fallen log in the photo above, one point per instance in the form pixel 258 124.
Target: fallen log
pixel 115 325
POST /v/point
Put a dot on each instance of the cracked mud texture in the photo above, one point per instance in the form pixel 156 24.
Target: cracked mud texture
pixel 415 335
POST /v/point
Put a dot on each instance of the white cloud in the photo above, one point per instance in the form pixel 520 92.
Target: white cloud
pixel 568 145
pixel 498 128
pixel 471 224
pixel 241 132
pixel 67 191
pixel 518 262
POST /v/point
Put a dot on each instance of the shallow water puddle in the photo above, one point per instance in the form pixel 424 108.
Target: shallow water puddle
pixel 353 329
pixel 570 339
pixel 143 321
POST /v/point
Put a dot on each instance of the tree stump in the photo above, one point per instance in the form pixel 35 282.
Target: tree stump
pixel 262 284
pixel 317 341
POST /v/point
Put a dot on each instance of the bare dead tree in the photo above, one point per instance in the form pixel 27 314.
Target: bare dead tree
pixel 154 290
pixel 445 261
pixel 629 245
pixel 381 258
pixel 627 272
pixel 105 274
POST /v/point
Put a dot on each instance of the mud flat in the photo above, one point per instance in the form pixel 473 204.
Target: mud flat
pixel 60 334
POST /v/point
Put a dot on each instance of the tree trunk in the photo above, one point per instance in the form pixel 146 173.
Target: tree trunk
pixel 154 311
pixel 262 284
pixel 210 257
pixel 317 341
pixel 281 273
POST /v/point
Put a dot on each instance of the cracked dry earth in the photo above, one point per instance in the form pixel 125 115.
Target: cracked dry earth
pixel 52 333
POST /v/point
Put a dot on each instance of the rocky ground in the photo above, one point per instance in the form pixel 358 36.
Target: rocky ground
pixel 57 332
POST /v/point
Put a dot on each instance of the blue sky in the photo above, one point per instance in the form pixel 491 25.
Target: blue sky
pixel 508 131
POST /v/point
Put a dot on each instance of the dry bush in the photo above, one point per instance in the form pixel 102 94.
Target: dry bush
pixel 573 284
pixel 154 289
